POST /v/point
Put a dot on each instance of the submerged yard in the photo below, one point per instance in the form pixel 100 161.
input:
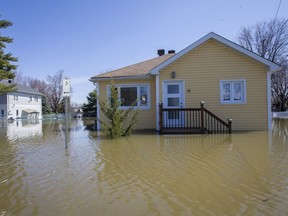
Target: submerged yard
pixel 144 174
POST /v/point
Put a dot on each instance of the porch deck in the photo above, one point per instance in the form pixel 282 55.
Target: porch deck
pixel 191 121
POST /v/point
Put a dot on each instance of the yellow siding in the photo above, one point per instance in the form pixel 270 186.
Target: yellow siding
pixel 203 68
pixel 146 118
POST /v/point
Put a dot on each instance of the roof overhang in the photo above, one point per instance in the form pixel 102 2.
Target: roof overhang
pixel 30 111
pixel 97 79
pixel 272 67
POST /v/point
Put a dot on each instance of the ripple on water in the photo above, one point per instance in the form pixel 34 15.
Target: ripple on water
pixel 239 174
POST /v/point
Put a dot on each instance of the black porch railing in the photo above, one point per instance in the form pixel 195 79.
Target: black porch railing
pixel 191 120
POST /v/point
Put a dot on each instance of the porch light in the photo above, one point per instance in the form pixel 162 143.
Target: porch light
pixel 202 102
pixel 173 74
pixel 229 120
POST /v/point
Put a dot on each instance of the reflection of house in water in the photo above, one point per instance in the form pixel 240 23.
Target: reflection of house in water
pixel 24 129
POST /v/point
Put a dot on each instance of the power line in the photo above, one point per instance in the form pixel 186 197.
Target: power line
pixel 278 9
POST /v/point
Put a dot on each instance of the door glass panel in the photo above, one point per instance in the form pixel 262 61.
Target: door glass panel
pixel 173 89
pixel 173 101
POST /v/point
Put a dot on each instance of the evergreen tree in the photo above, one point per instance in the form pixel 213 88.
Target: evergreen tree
pixel 117 124
pixel 6 66
pixel 46 109
pixel 89 108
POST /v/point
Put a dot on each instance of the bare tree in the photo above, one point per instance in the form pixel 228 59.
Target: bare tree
pixel 38 85
pixel 269 39
pixel 279 82
pixel 54 91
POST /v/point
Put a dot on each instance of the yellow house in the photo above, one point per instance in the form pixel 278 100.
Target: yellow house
pixel 233 82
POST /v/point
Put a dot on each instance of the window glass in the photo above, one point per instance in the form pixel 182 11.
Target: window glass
pixel 128 95
pixel 143 96
pixel 226 92
pixel 173 89
pixel 173 101
pixel 2 112
pixel 233 91
pixel 237 91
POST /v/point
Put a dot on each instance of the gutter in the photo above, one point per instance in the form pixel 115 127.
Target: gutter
pixel 148 76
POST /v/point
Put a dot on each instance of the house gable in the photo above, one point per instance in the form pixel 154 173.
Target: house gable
pixel 271 66
pixel 202 71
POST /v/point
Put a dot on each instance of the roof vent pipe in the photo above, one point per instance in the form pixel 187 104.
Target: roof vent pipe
pixel 171 51
pixel 161 52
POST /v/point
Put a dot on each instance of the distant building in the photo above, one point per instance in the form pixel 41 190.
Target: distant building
pixel 24 103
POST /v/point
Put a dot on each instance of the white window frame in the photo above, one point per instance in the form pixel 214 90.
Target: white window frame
pixel 119 86
pixel 232 82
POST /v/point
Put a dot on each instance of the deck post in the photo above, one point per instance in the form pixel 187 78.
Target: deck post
pixel 160 117
pixel 230 125
pixel 202 115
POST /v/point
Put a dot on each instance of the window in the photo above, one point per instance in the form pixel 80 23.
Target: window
pixel 30 98
pixel 36 98
pixel 2 113
pixel 232 91
pixel 128 94
pixel 15 96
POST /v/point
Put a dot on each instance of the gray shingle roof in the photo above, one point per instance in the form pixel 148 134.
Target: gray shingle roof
pixel 27 89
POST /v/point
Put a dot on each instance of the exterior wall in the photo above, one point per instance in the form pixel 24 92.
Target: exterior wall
pixel 204 67
pixel 146 117
pixel 23 102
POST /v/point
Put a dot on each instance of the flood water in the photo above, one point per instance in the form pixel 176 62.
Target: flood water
pixel 144 174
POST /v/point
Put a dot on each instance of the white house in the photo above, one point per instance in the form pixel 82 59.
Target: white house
pixel 25 102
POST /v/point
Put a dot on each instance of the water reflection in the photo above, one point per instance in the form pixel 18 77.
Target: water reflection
pixel 145 174
pixel 24 129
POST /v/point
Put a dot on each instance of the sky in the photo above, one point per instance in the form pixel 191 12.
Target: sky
pixel 88 37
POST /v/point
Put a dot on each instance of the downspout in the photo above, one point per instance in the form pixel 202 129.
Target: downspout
pixel 98 106
pixel 157 102
pixel 269 73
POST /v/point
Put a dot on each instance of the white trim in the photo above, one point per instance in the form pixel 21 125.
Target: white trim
pixel 182 90
pixel 272 66
pixel 165 83
pixel 98 107
pixel 157 102
pixel 269 111
pixel 243 101
pixel 138 85
pixel 94 79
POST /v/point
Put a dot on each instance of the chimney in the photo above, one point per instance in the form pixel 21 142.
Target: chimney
pixel 171 51
pixel 161 52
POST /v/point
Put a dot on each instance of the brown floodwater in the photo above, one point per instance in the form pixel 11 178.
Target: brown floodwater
pixel 145 174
